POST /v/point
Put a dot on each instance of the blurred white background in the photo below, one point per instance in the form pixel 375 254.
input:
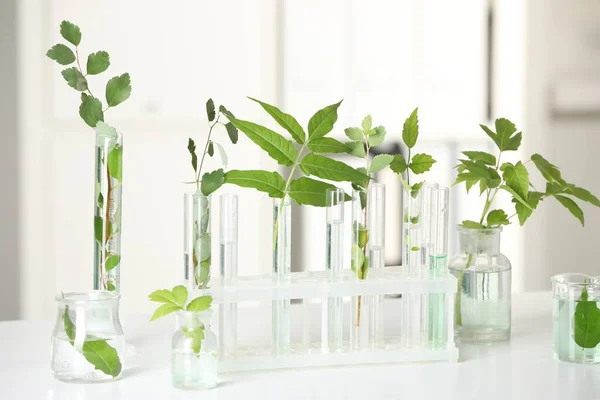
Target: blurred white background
pixel 462 63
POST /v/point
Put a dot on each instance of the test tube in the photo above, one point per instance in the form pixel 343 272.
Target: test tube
pixel 376 255
pixel 228 271
pixel 282 266
pixel 335 199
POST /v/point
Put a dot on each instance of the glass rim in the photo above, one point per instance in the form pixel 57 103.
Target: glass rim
pixel 197 193
pixel 461 228
pixel 87 297
pixel 562 279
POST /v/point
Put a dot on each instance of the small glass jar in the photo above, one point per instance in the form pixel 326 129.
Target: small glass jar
pixel 194 352
pixel 482 302
pixel 576 318
pixel 88 344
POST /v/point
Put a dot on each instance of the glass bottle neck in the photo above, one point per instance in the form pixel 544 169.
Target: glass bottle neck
pixel 192 319
pixel 479 241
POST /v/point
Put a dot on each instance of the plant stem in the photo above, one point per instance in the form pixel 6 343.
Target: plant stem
pixel 206 150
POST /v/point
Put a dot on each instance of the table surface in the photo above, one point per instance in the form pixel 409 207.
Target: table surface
pixel 522 368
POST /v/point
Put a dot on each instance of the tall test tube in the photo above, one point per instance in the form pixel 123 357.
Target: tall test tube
pixel 376 255
pixel 228 271
pixel 335 199
pixel 282 267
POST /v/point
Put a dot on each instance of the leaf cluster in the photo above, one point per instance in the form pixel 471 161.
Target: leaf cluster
pixel 312 141
pixel 484 169
pixel 118 88
pixel 209 182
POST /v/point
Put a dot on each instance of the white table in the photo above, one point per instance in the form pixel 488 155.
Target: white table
pixel 522 368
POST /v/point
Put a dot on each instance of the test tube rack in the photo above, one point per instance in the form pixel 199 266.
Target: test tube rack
pixel 419 293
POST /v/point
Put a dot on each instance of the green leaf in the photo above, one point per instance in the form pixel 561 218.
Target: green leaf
pixel 414 190
pixel 398 164
pixel 356 149
pixel 503 137
pixel 211 149
pixel 222 155
pixel 211 181
pixel 232 132
pixel 90 110
pixel 583 194
pixel 523 212
pixel 70 32
pixel 278 147
pixel 329 169
pixel 421 163
pixel 472 225
pixel 572 207
pixel 97 62
pixel 377 138
pixel 118 89
pixel 225 111
pixel 367 123
pixel 586 322
pixel 354 134
pixel 110 287
pixel 414 220
pixel 415 248
pixel 326 145
pixel 98 222
pixel 360 233
pixel 61 54
pixel 380 161
pixel 100 200
pixel 163 310
pixel 210 110
pixel 410 130
pixel 111 262
pixel 286 121
pixel 322 122
pixel 163 296
pixel 180 294
pixel 102 356
pixel 75 79
pixel 68 324
pixel 192 149
pixel 357 259
pixel 497 217
pixel 517 178
pixel 200 304
pixel 115 163
pixel 197 335
pixel 310 192
pixel 516 196
pixel 268 182
pixel 481 156
pixel 549 171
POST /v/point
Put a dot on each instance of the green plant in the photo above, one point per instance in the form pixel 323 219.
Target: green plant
pixel 586 321
pixel 309 159
pixel 176 300
pixel 109 150
pixel 486 170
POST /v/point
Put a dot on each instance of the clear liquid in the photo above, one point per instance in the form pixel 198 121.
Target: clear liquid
pixel 281 327
pixel 228 253
pixel 194 371
pixel 563 343
pixel 335 250
pixel 335 320
pixel 70 365
pixel 484 305
pixel 436 306
pixel 376 256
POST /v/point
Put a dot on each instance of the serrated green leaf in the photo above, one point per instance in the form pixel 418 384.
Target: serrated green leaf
pixel 549 171
pixel 329 169
pixel 380 161
pixel 410 130
pixel 118 89
pixel 111 262
pixel 516 196
pixel 75 79
pixel 326 145
pixel 286 121
pixel 61 54
pixel 497 217
pixel 472 225
pixel 211 149
pixel 180 294
pixel 225 111
pixel 572 207
pixel 210 110
pixel 583 194
pixel 278 147
pixel 310 192
pixel 192 149
pixel 163 296
pixel 414 190
pixel 421 163
pixel 367 123
pixel 523 212
pixel 98 226
pixel 232 132
pixel 322 122
pixel 398 164
pixel 377 138
pixel 517 178
pixel 90 110
pixel 163 310
pixel 211 181
pixel 356 149
pixel 97 62
pixel 222 154
pixel 503 137
pixel 354 134
pixel 200 304
pixel 70 32
pixel 482 156
pixel 268 182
